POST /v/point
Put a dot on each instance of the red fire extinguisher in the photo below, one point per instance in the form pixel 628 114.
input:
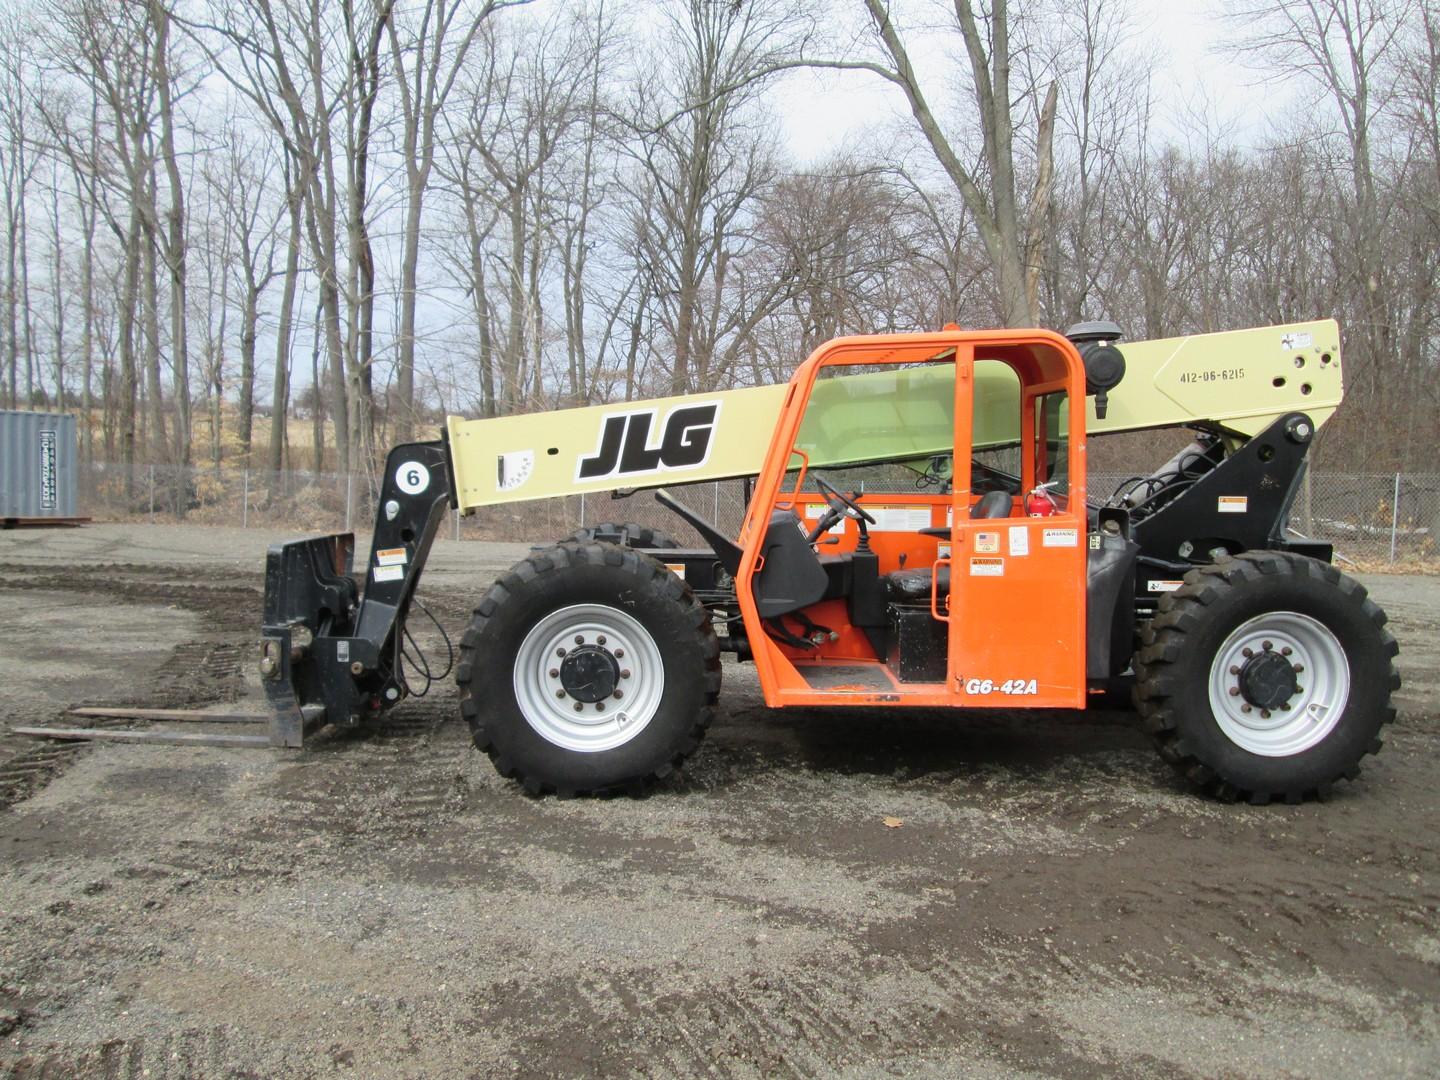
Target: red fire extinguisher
pixel 1039 502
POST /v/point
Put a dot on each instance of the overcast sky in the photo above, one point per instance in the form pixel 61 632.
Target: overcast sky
pixel 821 110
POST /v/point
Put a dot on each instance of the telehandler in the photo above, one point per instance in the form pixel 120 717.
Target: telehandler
pixel 918 532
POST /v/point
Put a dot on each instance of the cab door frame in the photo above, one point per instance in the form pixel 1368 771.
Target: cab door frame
pixel 1059 683
pixel 1017 584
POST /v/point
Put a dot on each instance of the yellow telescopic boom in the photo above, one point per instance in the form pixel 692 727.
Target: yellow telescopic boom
pixel 1240 380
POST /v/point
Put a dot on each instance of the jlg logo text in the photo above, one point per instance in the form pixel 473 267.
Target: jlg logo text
pixel 625 449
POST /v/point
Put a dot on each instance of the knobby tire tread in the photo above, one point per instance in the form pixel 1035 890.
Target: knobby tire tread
pixel 636 535
pixel 1160 681
pixel 651 574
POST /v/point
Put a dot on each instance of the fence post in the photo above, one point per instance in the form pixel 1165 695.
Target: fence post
pixel 1394 516
pixel 715 517
pixel 582 509
pixel 348 478
pixel 245 506
pixel 457 526
pixel 152 494
pixel 1308 513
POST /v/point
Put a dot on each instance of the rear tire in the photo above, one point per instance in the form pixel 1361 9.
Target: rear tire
pixel 630 534
pixel 1266 676
pixel 588 668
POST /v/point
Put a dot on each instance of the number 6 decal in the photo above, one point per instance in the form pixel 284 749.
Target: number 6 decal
pixel 412 477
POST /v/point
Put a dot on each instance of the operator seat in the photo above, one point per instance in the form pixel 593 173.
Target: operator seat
pixel 993 504
pixel 913 586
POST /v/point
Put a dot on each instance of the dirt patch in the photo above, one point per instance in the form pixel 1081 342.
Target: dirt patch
pixel 1055 901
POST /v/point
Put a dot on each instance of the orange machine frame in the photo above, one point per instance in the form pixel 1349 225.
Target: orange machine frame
pixel 1016 606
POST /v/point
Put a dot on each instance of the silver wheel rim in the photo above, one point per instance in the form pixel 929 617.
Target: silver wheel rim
pixel 595 726
pixel 1322 671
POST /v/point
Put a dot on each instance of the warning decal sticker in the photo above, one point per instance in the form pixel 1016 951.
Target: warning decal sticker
pixel 987 567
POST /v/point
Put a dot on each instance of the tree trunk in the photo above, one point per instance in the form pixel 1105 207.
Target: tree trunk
pixel 317 413
pixel 87 333
pixel 280 403
pixel 129 301
pixel 249 320
pixel 26 312
pixel 150 312
pixel 57 276
pixel 174 244
pixel 12 292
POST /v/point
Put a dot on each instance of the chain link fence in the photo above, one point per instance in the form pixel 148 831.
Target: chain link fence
pixel 1372 520
pixel 330 502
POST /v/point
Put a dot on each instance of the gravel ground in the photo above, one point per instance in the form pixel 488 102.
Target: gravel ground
pixel 1055 902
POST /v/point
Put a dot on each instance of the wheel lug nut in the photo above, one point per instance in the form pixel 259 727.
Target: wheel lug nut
pixel 560 652
pixel 619 653
pixel 554 672
pixel 579 640
pixel 619 693
pixel 1234 691
pixel 1265 713
pixel 1247 652
pixel 625 673
pixel 1286 651
pixel 559 693
pixel 578 706
pixel 599 706
pixel 1299 689
pixel 600 640
pixel 1234 669
pixel 1244 708
pixel 1299 668
pixel 1267 646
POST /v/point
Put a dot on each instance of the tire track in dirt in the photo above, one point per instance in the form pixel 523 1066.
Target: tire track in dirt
pixel 196 673
pixel 391 786
pixel 181 1055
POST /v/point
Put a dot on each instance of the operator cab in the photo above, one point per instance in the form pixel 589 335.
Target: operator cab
pixel 922 484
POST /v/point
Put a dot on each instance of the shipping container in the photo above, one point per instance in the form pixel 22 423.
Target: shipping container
pixel 38 472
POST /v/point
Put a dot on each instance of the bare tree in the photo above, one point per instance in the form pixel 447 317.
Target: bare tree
pixel 281 58
pixel 17 168
pixel 523 104
pixel 1342 49
pixel 284 327
pixel 172 238
pixel 706 157
pixel 58 298
pixel 1012 233
pixel 107 51
pixel 429 51
pixel 250 217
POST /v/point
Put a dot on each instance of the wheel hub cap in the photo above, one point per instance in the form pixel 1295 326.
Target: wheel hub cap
pixel 588 677
pixel 1279 684
pixel 1267 680
pixel 590 674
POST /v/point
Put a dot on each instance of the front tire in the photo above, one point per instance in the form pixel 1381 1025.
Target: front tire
pixel 588 668
pixel 1267 676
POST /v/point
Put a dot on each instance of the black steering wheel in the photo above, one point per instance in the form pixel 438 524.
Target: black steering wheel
pixel 848 505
